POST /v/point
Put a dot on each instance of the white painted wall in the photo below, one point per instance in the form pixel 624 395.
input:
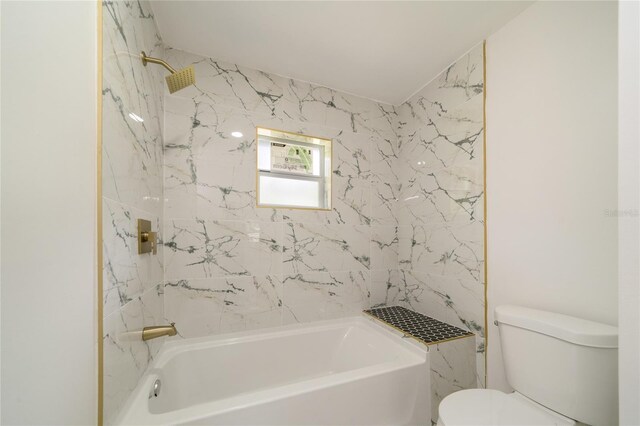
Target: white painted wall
pixel 552 164
pixel 629 201
pixel 48 212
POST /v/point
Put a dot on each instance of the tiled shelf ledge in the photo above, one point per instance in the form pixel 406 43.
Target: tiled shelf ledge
pixel 451 352
pixel 425 329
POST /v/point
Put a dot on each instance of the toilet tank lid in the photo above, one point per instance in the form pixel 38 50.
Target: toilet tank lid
pixel 571 329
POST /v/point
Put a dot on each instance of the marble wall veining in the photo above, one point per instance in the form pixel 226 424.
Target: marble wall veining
pixel 132 158
pixel 452 367
pixel 230 265
pixel 441 204
pixel 406 225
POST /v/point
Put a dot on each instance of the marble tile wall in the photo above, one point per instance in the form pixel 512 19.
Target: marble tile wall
pixel 406 225
pixel 452 368
pixel 132 188
pixel 230 266
pixel 440 210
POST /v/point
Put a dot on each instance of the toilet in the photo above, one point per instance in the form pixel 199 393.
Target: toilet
pixel 563 369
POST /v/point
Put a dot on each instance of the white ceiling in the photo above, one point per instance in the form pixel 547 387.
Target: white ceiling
pixel 384 51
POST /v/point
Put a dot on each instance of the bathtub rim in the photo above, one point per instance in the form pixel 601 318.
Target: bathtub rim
pixel 174 347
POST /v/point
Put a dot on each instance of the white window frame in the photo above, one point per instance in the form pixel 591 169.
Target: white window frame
pixel 323 180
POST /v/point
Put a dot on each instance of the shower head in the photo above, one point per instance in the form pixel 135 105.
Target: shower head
pixel 178 80
pixel 181 79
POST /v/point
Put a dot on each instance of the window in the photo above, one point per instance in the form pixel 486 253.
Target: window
pixel 293 170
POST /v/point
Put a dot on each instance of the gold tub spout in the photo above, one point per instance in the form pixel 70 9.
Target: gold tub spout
pixel 149 333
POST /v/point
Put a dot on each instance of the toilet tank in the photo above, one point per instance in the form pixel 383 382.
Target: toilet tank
pixel 567 364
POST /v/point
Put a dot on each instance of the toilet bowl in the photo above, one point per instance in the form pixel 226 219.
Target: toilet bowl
pixel 479 407
pixel 563 369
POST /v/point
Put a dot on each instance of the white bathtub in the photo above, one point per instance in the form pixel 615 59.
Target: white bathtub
pixel 343 372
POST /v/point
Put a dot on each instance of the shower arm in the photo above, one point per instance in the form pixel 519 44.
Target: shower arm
pixel 146 59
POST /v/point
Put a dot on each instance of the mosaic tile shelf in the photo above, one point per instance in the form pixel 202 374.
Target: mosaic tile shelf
pixel 421 327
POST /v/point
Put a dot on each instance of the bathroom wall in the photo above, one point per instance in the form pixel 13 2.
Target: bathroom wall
pixel 629 199
pixel 552 165
pixel 231 266
pixel 453 368
pixel 441 217
pixel 49 98
pixel 131 189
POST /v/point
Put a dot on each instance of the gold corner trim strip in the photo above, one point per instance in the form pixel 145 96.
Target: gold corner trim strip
pixel 99 263
pixel 484 176
pixel 417 339
pixel 466 336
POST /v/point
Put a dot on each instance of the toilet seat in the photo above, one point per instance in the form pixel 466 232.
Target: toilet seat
pixel 491 407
